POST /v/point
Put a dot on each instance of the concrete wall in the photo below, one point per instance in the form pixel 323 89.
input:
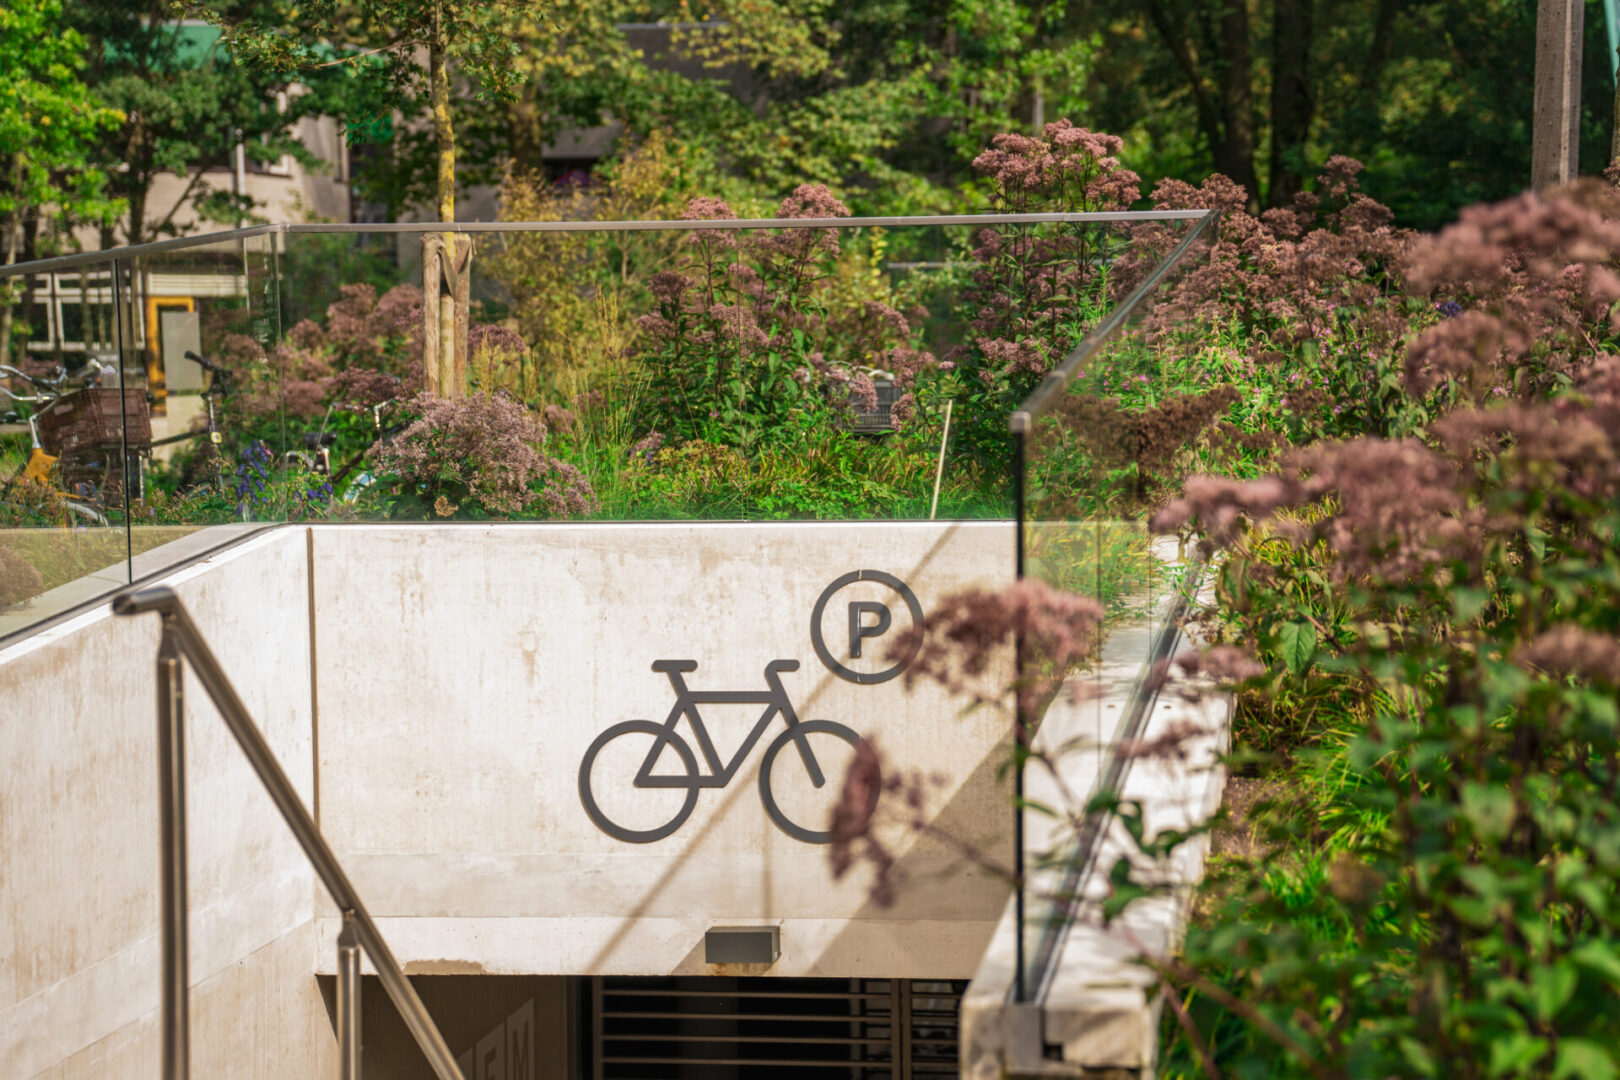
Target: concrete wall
pixel 78 839
pixel 432 690
pixel 464 671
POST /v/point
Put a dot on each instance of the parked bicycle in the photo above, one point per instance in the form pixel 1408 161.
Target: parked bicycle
pixel 210 458
pixel 776 702
pixel 78 507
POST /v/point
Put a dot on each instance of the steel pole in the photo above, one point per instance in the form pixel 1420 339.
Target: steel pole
pixel 1021 435
pixel 348 999
pixel 171 751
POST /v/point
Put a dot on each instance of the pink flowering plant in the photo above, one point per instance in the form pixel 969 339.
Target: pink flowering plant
pixel 1034 289
pixel 1417 606
pixel 1455 597
pixel 1435 620
pixel 743 349
pixel 481 456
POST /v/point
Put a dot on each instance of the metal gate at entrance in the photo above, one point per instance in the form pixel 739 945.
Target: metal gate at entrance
pixel 746 1028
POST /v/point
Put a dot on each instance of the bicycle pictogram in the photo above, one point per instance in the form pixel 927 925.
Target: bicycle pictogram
pixel 867 619
pixel 776 702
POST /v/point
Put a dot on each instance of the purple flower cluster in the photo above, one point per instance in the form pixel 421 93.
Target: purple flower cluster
pixel 313 500
pixel 253 477
pixel 492 338
pixel 365 387
pixel 710 241
pixel 483 451
pixel 559 419
pixel 736 304
pixel 1290 274
pixel 1066 168
pixel 1392 511
pixel 646 448
pixel 1544 278
pixel 968 632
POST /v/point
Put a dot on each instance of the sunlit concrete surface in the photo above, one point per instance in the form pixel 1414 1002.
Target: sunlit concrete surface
pixel 432 690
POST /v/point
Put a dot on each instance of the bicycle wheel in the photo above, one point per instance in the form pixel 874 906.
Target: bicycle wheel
pixel 630 801
pixel 83 516
pixel 802 796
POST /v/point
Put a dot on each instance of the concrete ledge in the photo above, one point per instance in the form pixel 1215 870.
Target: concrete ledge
pixel 586 945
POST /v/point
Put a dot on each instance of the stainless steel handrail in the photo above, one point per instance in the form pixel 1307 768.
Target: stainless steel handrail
pixel 182 641
pixel 107 256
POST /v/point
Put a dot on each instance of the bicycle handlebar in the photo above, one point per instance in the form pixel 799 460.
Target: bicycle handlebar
pixel 37 382
pixel 205 363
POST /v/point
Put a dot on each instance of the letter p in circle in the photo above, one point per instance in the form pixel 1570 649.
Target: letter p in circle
pixel 867 619
pixel 859 629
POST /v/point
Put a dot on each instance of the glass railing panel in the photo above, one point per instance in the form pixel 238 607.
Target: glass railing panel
pixel 62 513
pixel 692 371
pixel 205 346
pixel 1105 443
pixel 618 374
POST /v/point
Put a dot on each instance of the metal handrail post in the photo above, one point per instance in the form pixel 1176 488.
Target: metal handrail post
pixel 171 749
pixel 348 1000
pixel 282 792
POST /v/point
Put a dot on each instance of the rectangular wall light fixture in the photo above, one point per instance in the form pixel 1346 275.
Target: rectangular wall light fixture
pixel 742 944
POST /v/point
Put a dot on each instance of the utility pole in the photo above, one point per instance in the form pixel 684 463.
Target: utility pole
pixel 1556 126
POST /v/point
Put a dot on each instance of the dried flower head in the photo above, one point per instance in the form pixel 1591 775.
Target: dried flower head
pixel 967 632
pixel 485 451
pixel 1568 649
pixel 19 580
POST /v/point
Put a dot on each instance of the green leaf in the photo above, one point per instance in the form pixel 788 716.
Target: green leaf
pixel 1489 809
pixel 1419 1057
pixel 1467 603
pixel 1551 987
pixel 1586 1059
pixel 1536 537
pixel 1297 642
pixel 1510 1056
pixel 1039 808
pixel 1124 891
pixel 1600 958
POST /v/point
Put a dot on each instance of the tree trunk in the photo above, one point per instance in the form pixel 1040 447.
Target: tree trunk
pixel 461 296
pixel 1293 25
pixel 446 264
pixel 1208 117
pixel 446 312
pixel 1236 158
pixel 135 231
pixel 1378 52
pixel 444 132
pixel 136 181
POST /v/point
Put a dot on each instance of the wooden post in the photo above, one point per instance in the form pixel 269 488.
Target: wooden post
pixel 446 317
pixel 432 245
pixel 1555 128
pixel 1614 131
pixel 459 276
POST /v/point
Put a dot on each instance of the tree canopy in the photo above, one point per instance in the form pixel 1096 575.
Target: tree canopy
pixel 887 102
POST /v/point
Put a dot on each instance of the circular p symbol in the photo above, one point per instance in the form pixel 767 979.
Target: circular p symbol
pixel 867 620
